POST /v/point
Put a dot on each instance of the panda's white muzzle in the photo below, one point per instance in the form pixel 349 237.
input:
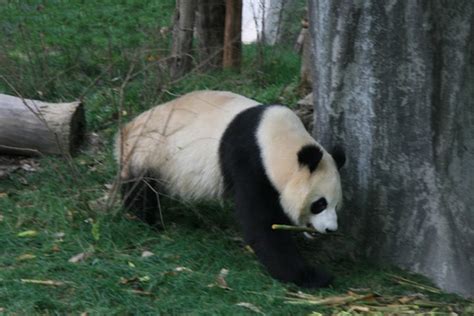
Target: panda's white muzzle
pixel 324 222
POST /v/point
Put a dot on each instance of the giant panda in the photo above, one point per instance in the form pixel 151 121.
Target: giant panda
pixel 216 145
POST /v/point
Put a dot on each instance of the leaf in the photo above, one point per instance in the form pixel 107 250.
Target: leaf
pixel 96 230
pixel 406 299
pixel 139 292
pixel 79 257
pixel 28 233
pixel 55 248
pixel 27 167
pixel 59 235
pixel 250 306
pixel 147 254
pixel 131 264
pixel 127 281
pixel 134 279
pixel 357 308
pixel 182 269
pixel 82 162
pixel 220 280
pixel 249 249
pixel 26 256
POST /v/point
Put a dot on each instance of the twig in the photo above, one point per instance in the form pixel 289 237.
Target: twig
pixel 302 229
pixel 403 281
pixel 395 309
pixel 333 301
pixel 139 292
pixel 43 282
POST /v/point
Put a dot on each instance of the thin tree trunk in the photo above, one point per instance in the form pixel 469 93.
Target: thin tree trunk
pixel 210 24
pixel 273 19
pixel 306 80
pixel 233 34
pixel 393 81
pixel 183 30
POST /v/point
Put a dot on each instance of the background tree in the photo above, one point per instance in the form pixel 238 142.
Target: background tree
pixel 393 81
pixel 273 11
pixel 233 34
pixel 210 23
pixel 218 25
pixel 281 21
pixel 183 29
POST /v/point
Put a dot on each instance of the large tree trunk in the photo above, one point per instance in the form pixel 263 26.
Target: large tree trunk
pixel 29 127
pixel 233 34
pixel 210 25
pixel 394 83
pixel 183 30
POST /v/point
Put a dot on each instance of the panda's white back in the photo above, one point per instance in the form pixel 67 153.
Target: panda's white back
pixel 178 142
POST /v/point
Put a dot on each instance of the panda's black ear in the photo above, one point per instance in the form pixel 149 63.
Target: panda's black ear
pixel 339 156
pixel 310 156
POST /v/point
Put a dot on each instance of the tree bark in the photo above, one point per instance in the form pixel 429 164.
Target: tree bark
pixel 281 21
pixel 273 20
pixel 29 127
pixel 210 24
pixel 233 34
pixel 183 30
pixel 393 81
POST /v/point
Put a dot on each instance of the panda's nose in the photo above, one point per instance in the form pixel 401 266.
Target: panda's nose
pixel 328 231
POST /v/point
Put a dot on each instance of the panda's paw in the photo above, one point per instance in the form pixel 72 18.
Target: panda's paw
pixel 313 278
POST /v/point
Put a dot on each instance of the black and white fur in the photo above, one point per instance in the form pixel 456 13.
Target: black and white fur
pixel 213 144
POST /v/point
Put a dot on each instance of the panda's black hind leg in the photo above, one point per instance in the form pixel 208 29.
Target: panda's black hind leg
pixel 140 196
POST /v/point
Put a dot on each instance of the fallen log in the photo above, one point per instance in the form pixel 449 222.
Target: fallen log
pixel 30 127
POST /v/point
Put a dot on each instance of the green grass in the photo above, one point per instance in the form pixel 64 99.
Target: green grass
pixel 62 50
pixel 53 200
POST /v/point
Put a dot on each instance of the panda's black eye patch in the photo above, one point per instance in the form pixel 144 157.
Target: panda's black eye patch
pixel 310 156
pixel 319 206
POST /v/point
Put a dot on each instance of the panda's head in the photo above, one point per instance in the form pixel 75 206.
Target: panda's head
pixel 313 194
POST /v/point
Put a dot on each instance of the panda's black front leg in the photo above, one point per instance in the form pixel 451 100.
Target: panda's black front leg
pixel 276 250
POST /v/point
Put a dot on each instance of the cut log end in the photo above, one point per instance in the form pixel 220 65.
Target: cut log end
pixel 77 128
pixel 31 127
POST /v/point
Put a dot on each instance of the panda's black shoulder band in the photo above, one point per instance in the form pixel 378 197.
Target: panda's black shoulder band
pixel 310 156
